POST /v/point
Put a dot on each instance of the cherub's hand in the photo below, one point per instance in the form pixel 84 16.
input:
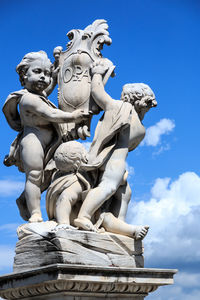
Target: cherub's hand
pixel 80 115
pixel 99 67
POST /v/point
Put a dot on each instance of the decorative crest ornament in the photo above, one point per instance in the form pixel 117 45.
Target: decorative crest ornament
pixel 74 79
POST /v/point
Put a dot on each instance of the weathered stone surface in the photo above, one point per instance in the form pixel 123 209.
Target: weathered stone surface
pixel 40 244
pixel 85 283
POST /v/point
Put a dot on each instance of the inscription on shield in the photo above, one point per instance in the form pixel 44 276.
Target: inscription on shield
pixel 75 74
pixel 75 81
pixel 74 78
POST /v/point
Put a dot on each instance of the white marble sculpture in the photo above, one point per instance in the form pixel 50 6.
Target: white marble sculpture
pixel 38 125
pixel 85 190
pixel 86 249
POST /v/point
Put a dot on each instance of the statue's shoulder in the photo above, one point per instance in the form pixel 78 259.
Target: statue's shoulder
pixel 15 96
pixel 10 109
pixel 35 100
pixel 28 96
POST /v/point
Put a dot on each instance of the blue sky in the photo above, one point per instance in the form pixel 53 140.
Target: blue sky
pixel 155 42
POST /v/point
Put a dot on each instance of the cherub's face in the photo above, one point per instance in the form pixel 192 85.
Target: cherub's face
pixel 38 76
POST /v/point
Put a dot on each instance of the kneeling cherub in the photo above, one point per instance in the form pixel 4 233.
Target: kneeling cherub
pixel 70 186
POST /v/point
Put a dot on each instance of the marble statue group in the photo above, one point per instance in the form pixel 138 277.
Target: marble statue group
pixel 86 190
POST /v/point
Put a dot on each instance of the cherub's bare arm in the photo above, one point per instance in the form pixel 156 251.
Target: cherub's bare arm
pixel 48 113
pixel 97 88
pixel 55 70
pixel 51 87
pixel 54 81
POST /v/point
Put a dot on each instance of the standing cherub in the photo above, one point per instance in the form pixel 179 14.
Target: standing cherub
pixel 37 123
pixel 119 131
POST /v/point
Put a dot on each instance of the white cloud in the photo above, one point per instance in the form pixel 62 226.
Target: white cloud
pixel 9 228
pixel 188 280
pixel 173 240
pixel 130 169
pixel 186 287
pixel 174 293
pixel 169 200
pixel 154 133
pixel 10 187
pixel 162 148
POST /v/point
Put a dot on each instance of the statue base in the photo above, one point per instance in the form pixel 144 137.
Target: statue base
pixel 64 264
pixel 43 244
pixel 77 282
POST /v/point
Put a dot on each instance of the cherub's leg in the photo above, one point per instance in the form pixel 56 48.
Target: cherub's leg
pixel 32 155
pixel 110 182
pixel 33 194
pixel 65 203
pixel 120 201
pixel 113 224
pixel 22 205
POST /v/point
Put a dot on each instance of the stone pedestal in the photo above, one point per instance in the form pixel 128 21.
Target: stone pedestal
pixel 41 244
pixel 62 264
pixel 76 282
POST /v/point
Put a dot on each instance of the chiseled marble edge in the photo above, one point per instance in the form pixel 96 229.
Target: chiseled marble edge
pixel 78 279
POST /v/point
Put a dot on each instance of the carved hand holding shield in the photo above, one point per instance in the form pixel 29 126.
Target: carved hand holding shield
pixel 74 78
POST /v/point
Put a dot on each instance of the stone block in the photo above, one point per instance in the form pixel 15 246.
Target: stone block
pixel 40 245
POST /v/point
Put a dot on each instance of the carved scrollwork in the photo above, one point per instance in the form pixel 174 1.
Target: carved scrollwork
pixel 77 287
pixel 99 36
pixel 74 79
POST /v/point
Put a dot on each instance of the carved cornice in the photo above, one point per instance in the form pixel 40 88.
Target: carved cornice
pixel 85 281
pixel 77 288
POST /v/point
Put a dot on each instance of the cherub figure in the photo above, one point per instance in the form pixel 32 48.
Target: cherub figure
pixel 37 121
pixel 119 131
pixel 70 185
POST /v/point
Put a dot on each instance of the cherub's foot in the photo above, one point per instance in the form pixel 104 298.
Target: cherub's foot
pixel 98 224
pixel 85 223
pixel 64 227
pixel 141 231
pixel 36 217
pixel 100 230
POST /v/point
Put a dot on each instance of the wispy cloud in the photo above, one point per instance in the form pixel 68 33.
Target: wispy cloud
pixel 9 228
pixel 130 169
pixel 177 291
pixel 155 132
pixel 6 256
pixel 10 187
pixel 162 148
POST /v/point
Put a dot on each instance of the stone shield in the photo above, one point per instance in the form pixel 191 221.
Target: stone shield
pixel 74 77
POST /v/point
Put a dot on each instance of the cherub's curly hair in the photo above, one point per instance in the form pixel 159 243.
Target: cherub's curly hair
pixel 23 66
pixel 69 156
pixel 132 92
